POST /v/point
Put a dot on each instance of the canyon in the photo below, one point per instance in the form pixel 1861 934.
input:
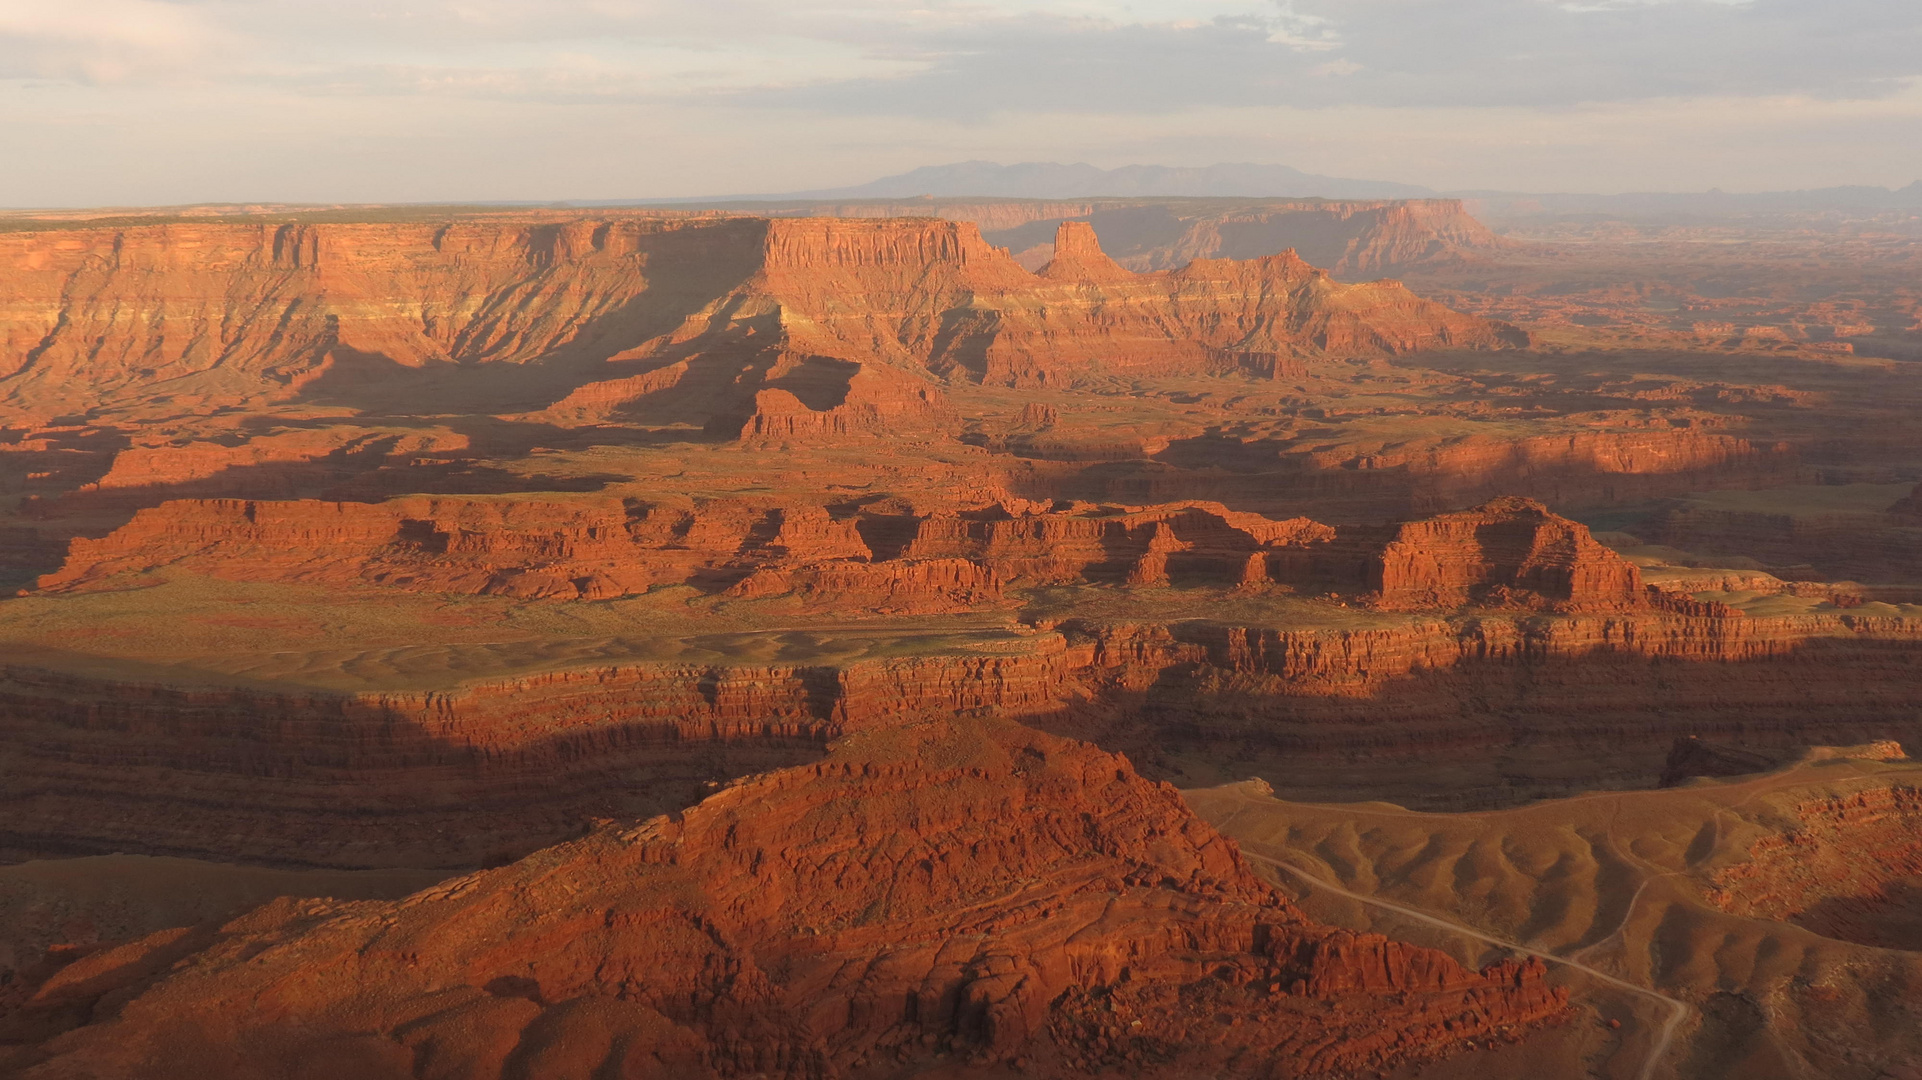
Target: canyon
pixel 237 316
pixel 935 637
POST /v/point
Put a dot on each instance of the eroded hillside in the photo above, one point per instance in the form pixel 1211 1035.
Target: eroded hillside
pixel 786 626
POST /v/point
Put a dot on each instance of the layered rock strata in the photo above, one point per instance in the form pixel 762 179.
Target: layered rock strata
pixel 599 547
pixel 691 311
pixel 193 316
pixel 1874 546
pixel 1034 902
pixel 1486 710
pixel 1348 236
pixel 1354 238
pixel 1471 711
pixel 1507 552
pixel 444 779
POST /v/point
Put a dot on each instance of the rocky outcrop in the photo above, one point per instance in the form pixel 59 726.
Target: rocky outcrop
pixel 1509 551
pixel 1506 553
pixel 1078 257
pixel 660 315
pixel 1691 757
pixel 232 314
pixel 934 296
pixel 980 890
pixel 1211 314
pixel 1351 237
pixel 599 547
pixel 528 548
pixel 1850 869
pixel 1196 541
pixel 1487 709
pixel 872 401
pixel 1362 663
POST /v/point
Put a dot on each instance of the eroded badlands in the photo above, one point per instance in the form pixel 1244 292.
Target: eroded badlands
pixel 793 644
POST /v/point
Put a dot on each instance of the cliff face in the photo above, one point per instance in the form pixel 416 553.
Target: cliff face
pixel 530 548
pixel 933 295
pixel 1350 237
pixel 1871 544
pixel 1512 705
pixel 451 778
pixel 224 314
pixel 1504 551
pixel 1487 710
pixel 1507 552
pixel 1200 540
pixel 599 547
pixel 1034 901
pixel 1210 314
pixel 201 316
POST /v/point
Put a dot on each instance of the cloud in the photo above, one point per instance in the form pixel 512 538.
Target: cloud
pixel 612 98
pixel 1298 30
pixel 958 57
pixel 1408 53
pixel 1534 52
pixel 105 41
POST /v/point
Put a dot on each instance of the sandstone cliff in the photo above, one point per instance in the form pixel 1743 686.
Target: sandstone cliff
pixel 1867 543
pixel 1506 551
pixel 1469 710
pixel 561 548
pixel 454 777
pixel 1509 552
pixel 1489 709
pixel 163 319
pixel 192 317
pixel 1350 237
pixel 982 891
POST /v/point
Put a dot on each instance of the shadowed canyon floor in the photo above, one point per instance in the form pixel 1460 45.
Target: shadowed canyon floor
pixel 485 644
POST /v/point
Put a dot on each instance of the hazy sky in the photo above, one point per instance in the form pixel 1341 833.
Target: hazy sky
pixel 171 101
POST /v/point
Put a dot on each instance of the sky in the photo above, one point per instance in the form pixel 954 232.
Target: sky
pixel 164 102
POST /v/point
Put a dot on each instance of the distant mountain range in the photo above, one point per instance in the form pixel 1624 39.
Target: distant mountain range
pixel 1051 180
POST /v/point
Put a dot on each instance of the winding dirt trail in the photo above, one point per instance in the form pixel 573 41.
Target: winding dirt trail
pixel 1678 1010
